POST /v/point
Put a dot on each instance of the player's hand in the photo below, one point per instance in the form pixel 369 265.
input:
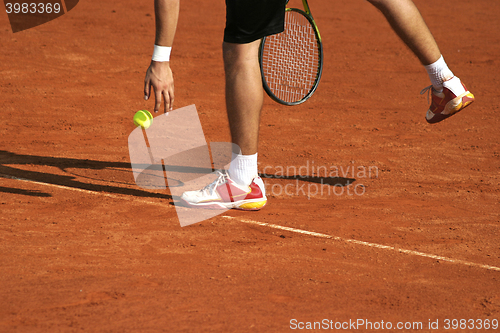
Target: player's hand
pixel 160 77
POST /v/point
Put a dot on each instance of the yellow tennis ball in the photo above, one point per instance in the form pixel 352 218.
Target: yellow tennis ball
pixel 143 118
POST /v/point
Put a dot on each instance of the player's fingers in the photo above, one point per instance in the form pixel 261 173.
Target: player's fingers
pixel 172 98
pixel 147 89
pixel 167 101
pixel 157 100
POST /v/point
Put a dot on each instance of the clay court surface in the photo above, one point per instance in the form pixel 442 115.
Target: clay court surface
pixel 83 248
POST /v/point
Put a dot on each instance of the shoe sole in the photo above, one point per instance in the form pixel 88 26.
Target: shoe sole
pixel 452 107
pixel 253 204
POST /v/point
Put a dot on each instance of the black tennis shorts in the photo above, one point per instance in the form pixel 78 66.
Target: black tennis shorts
pixel 250 20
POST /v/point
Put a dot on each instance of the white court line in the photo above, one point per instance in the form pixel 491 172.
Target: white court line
pixel 357 242
pixel 115 196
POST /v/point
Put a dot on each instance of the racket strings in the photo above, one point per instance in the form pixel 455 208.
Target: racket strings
pixel 291 59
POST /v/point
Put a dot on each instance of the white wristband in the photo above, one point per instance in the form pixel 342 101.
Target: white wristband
pixel 161 53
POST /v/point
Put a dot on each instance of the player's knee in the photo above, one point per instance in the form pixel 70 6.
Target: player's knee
pixel 235 54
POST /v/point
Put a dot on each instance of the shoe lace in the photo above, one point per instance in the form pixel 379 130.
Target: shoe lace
pixel 221 179
pixel 427 90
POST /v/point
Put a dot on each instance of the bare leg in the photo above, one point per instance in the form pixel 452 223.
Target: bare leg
pixel 407 22
pixel 244 95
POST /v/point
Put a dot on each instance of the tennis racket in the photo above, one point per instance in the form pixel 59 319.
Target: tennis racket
pixel 291 62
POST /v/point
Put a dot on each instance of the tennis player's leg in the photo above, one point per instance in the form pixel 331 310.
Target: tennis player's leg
pixel 449 94
pixel 244 94
pixel 240 187
pixel 247 21
pixel 406 21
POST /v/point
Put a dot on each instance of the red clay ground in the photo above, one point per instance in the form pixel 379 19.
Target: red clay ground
pixel 85 249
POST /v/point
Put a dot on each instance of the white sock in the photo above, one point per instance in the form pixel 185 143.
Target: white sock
pixel 243 168
pixel 438 73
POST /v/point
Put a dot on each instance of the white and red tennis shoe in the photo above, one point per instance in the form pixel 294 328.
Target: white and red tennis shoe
pixel 224 193
pixel 454 98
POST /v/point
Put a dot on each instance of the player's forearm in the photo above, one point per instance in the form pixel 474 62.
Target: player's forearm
pixel 166 15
